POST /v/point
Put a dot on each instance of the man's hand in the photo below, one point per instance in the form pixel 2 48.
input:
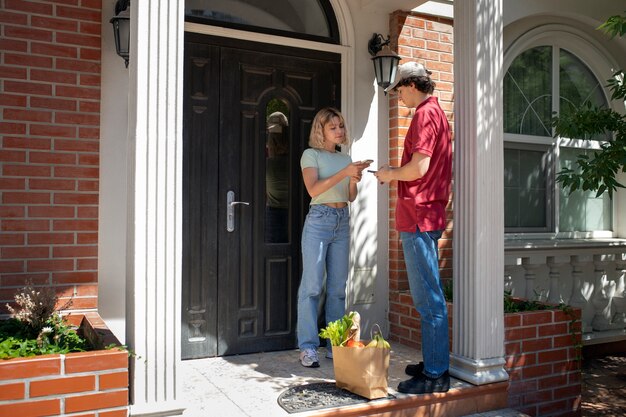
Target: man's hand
pixel 384 174
pixel 356 168
pixel 415 169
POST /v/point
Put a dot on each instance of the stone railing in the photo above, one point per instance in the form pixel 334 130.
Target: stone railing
pixel 586 273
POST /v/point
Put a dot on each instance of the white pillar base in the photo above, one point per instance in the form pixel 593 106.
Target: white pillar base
pixel 478 371
pixel 162 409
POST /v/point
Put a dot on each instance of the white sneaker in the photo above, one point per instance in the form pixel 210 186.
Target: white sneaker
pixel 329 352
pixel 308 358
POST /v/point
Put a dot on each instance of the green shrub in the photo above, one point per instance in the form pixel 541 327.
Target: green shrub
pixel 517 305
pixel 511 305
pixel 36 328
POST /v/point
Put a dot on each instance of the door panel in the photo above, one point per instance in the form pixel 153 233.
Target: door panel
pixel 251 281
pixel 200 177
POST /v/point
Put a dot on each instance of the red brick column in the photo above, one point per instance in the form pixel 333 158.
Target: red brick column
pixel 49 162
pixel 428 40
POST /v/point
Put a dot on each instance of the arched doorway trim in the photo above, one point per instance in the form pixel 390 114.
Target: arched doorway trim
pixel 345 49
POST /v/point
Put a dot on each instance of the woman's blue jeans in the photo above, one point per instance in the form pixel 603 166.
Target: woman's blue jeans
pixel 421 256
pixel 325 252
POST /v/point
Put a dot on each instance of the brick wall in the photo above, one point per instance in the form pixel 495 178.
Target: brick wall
pixel 542 353
pixel 86 384
pixel 49 162
pixel 543 359
pixel 428 40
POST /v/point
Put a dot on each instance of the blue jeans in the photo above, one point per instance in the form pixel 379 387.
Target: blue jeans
pixel 325 249
pixel 421 256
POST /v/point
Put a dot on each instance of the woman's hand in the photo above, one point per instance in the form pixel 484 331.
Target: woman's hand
pixel 356 178
pixel 355 168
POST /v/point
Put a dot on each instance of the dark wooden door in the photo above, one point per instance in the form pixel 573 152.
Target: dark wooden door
pixel 240 282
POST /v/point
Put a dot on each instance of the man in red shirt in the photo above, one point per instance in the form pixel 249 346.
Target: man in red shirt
pixel 424 179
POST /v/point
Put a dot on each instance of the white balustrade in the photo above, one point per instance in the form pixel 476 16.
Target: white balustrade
pixel 530 274
pixel 508 278
pixel 586 274
pixel 577 298
pixel 602 294
pixel 619 299
pixel 554 295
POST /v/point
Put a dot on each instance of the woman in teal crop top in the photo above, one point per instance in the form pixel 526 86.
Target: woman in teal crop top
pixel 331 178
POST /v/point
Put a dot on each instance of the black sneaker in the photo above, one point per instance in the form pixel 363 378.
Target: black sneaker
pixel 421 384
pixel 414 369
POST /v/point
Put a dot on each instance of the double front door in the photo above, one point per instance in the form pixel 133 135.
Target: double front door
pixel 243 197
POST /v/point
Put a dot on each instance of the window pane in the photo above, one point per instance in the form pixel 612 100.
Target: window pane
pixel 578 86
pixel 528 93
pixel 277 173
pixel 581 211
pixel 297 16
pixel 525 198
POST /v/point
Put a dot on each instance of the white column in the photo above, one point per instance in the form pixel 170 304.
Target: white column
pixel 619 319
pixel 478 332
pixel 530 273
pixel 508 278
pixel 577 299
pixel 155 200
pixel 601 298
pixel 554 264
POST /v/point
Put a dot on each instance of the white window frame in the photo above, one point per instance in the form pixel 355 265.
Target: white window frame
pixel 599 62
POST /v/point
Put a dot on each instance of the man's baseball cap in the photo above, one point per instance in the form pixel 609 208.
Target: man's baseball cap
pixel 406 70
pixel 276 121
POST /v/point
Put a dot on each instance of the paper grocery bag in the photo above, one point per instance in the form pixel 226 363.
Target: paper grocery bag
pixel 363 371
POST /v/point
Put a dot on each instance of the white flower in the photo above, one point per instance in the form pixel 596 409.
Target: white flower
pixel 46 330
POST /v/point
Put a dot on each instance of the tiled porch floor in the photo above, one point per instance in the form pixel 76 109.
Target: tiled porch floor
pixel 249 385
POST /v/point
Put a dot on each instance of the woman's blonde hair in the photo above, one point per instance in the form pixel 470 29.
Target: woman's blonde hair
pixel 325 115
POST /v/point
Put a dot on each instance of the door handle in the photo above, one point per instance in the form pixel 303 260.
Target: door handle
pixel 230 210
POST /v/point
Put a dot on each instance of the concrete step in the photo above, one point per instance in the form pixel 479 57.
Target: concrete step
pixel 460 401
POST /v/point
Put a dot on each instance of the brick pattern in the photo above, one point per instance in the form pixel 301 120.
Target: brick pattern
pixel 543 359
pixel 543 356
pixel 49 144
pixel 29 388
pixel 91 383
pixel 428 40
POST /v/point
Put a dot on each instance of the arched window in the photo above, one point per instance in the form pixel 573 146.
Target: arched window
pixel 550 72
pixel 304 19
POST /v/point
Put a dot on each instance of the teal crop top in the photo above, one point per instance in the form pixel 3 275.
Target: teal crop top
pixel 328 164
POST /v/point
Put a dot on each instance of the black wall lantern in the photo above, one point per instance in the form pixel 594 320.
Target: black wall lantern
pixel 121 28
pixel 384 59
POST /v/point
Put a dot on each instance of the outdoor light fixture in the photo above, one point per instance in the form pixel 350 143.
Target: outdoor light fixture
pixel 384 59
pixel 121 28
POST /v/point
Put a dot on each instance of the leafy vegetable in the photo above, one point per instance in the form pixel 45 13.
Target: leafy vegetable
pixel 337 331
pixel 346 332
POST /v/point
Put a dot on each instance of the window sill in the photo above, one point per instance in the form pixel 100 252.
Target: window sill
pixel 614 245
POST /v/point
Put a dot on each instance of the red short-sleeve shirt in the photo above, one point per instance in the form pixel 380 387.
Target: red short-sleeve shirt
pixel 422 202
